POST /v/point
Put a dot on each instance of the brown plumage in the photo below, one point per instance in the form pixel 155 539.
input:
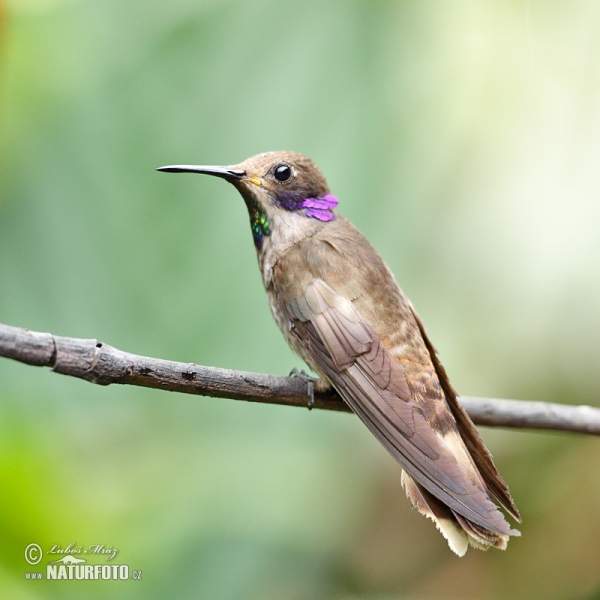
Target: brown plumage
pixel 340 308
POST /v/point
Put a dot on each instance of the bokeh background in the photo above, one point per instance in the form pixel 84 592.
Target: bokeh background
pixel 462 137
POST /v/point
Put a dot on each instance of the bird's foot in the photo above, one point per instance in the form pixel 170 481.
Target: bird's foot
pixel 310 383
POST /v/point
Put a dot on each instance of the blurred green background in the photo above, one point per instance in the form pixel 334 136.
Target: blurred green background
pixel 461 137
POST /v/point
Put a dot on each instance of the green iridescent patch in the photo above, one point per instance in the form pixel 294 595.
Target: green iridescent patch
pixel 259 223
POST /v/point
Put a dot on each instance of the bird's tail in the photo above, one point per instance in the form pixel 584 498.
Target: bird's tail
pixel 458 531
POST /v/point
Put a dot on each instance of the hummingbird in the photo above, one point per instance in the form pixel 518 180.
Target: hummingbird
pixel 340 308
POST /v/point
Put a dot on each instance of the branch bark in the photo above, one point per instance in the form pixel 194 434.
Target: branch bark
pixel 102 364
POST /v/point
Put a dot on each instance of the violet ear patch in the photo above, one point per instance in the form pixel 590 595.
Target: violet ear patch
pixel 320 208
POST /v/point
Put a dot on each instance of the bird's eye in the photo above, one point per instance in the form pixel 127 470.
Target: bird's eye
pixel 282 172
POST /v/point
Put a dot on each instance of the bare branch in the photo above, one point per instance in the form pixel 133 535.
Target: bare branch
pixel 102 364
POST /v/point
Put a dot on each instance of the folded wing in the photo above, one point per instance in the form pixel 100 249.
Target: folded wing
pixel 441 479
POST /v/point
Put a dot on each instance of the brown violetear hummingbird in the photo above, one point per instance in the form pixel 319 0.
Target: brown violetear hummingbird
pixel 340 308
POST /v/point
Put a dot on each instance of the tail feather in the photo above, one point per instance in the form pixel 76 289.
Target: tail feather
pixel 458 531
pixel 438 512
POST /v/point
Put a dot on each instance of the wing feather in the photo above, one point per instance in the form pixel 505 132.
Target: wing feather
pixel 480 454
pixel 347 350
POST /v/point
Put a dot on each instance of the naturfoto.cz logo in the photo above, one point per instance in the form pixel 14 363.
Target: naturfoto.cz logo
pixel 71 566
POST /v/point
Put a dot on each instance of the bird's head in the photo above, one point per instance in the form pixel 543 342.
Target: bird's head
pixel 283 191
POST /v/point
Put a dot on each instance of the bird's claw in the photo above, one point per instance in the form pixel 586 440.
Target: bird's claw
pixel 310 383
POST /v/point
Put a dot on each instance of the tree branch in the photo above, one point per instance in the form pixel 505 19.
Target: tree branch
pixel 102 364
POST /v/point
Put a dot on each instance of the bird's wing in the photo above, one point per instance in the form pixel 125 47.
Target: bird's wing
pixel 348 351
pixel 480 454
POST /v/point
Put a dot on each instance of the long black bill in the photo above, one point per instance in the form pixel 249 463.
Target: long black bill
pixel 224 172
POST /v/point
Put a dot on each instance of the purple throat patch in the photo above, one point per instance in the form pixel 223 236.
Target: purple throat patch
pixel 320 208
